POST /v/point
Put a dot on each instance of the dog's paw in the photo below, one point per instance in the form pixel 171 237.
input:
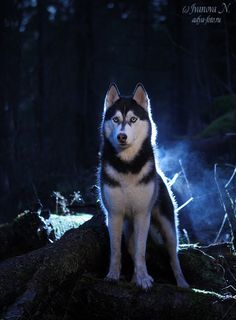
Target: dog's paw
pixel 182 283
pixel 112 276
pixel 143 281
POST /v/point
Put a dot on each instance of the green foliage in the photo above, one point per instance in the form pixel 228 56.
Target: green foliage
pixel 224 104
pixel 224 112
pixel 223 124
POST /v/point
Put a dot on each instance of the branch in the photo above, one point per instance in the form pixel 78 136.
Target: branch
pixel 228 209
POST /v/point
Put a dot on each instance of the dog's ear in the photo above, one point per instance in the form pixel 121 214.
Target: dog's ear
pixel 140 96
pixel 112 96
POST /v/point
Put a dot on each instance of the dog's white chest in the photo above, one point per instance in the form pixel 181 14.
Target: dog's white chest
pixel 131 196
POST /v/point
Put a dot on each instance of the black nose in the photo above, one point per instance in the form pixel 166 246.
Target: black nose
pixel 122 137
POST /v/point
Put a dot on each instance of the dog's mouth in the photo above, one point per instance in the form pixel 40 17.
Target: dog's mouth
pixel 123 145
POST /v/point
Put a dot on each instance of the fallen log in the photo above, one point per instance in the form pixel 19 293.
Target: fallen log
pixel 49 283
pixel 27 232
pixel 26 279
pixel 96 299
pixel 33 230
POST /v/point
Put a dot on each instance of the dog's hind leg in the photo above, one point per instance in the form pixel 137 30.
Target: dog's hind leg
pixel 169 236
pixel 164 215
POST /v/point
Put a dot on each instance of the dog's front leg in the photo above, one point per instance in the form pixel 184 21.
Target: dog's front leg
pixel 115 224
pixel 141 227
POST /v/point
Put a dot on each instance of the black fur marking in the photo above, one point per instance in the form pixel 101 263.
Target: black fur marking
pixel 134 166
pixel 109 180
pixel 124 105
pixel 149 176
pixel 165 203
pixel 123 125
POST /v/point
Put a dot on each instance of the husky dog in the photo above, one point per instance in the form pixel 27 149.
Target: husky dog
pixel 134 193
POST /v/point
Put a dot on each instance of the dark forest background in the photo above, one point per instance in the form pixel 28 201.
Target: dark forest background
pixel 57 58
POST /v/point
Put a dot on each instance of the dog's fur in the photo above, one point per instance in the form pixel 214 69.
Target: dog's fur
pixel 133 190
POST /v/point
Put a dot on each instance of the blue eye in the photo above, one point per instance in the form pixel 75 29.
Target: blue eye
pixel 133 119
pixel 115 119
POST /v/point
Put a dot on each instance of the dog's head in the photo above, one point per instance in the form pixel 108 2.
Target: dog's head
pixel 127 120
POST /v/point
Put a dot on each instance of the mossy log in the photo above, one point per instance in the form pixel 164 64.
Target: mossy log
pixel 27 232
pixel 26 279
pixel 49 283
pixel 33 230
pixel 96 299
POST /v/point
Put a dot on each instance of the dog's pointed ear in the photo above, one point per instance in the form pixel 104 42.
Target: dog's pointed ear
pixel 140 96
pixel 112 96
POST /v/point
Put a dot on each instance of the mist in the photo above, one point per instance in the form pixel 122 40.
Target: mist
pixel 198 181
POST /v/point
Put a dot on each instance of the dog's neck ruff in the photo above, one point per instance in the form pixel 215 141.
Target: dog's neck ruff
pixel 144 154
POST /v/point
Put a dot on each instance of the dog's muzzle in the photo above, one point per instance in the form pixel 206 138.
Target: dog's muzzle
pixel 122 138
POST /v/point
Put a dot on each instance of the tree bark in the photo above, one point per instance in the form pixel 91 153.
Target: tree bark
pixel 26 281
pixel 52 283
pixel 27 232
pixel 97 299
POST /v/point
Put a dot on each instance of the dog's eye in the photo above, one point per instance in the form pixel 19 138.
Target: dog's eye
pixel 133 119
pixel 115 119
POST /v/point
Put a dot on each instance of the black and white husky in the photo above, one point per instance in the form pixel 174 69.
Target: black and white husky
pixel 133 191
